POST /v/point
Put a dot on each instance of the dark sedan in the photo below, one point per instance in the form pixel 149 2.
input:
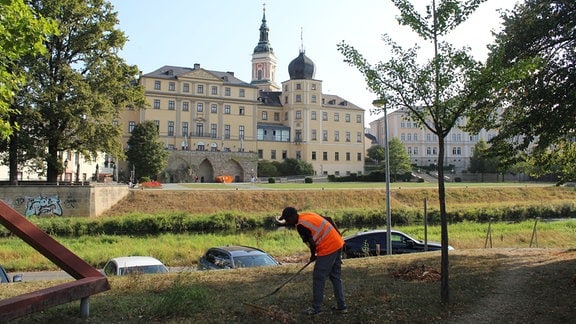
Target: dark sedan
pixel 369 243
pixel 234 256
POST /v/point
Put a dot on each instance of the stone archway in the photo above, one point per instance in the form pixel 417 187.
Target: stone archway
pixel 206 171
pixel 179 170
pixel 234 169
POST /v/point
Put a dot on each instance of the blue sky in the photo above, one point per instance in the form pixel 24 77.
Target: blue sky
pixel 221 35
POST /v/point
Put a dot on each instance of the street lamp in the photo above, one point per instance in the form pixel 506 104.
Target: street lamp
pixel 381 103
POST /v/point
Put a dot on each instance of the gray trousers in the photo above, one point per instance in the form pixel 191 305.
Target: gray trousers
pixel 328 266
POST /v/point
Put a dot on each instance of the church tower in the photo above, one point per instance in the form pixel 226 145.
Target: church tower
pixel 264 61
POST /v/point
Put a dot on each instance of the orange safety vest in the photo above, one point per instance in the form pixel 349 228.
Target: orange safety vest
pixel 326 237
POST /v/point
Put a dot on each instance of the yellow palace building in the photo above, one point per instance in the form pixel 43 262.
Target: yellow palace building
pixel 216 124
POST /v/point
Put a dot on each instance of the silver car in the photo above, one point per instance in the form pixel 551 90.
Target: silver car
pixel 133 265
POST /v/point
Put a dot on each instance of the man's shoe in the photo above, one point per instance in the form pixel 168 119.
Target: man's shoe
pixel 311 311
pixel 340 310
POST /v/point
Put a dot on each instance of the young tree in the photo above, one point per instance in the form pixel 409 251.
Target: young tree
pixel 481 161
pixel 399 159
pixel 376 153
pixel 435 93
pixel 145 154
pixel 531 97
pixel 75 91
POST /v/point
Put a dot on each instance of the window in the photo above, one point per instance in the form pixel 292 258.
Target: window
pixel 336 156
pixel 285 99
pixel 214 108
pixel 359 137
pixel 171 86
pixel 325 156
pixel 242 93
pixel 456 151
pixel 336 136
pixel 324 116
pixel 409 137
pixel 273 154
pixel 314 135
pixel 156 103
pixel 347 136
pixel 227 92
pixel 325 135
pixel 298 154
pixel 428 150
pixel 298 98
pixel 170 128
pixel 358 119
pixel 313 115
pixel 403 137
pixel 186 87
pixel 264 115
pixel 171 105
pixel 241 110
pixel 200 89
pixel 347 118
pixel 184 128
pixel 227 131
pixel 131 126
pixel 415 137
pixel 415 151
pixel 276 116
pixel 199 129
pixel 200 107
pixel 298 136
pixel 157 123
pixel 157 85
pixel 284 154
pixel 313 155
pixel 347 156
pixel 185 106
pixel 213 128
pixel 298 86
pixel 313 86
pixel 214 90
pixel 336 117
pixel 260 154
pixel 241 131
pixel 435 151
pixel 298 114
pixel 313 99
pixel 359 156
pixel 227 109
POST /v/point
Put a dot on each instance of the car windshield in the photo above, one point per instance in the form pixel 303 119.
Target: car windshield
pixel 253 261
pixel 143 269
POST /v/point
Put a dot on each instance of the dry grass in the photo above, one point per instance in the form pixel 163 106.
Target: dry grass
pixel 486 285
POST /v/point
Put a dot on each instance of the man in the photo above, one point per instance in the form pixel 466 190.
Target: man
pixel 325 243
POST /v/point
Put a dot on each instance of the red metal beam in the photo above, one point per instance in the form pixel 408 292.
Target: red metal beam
pixel 90 280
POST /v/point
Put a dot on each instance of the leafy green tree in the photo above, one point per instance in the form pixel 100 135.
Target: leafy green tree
pixel 295 167
pixel 146 154
pixel 530 92
pixel 481 161
pixel 75 91
pixel 399 159
pixel 434 93
pixel 267 169
pixel 22 34
pixel 376 153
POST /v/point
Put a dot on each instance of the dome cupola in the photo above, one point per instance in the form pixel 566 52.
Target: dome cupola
pixel 301 67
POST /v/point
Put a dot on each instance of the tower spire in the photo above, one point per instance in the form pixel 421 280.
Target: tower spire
pixel 264 60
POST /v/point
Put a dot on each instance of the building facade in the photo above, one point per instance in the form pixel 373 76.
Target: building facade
pixel 216 115
pixel 422 145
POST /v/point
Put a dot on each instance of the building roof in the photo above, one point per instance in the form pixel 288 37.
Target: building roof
pixel 301 67
pixel 173 72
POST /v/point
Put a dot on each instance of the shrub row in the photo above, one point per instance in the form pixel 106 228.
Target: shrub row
pixel 180 222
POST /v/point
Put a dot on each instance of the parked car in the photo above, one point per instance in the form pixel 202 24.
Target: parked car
pixel 235 256
pixel 4 278
pixel 364 244
pixel 133 265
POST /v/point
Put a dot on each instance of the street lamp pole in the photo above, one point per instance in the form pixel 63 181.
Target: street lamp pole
pixel 381 103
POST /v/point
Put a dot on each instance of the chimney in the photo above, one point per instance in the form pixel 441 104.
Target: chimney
pixel 231 73
pixel 196 66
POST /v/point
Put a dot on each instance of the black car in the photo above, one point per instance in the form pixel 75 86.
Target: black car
pixel 235 256
pixel 365 244
pixel 4 276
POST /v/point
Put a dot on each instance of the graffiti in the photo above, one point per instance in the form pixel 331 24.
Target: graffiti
pixel 70 203
pixel 19 201
pixel 43 205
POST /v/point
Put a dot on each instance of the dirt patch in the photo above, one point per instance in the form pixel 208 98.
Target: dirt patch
pixel 417 272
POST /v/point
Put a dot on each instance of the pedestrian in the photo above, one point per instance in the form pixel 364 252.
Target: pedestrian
pixel 325 243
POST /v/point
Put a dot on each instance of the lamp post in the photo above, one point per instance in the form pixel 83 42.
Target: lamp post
pixel 381 103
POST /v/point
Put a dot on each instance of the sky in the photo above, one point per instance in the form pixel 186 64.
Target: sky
pixel 220 35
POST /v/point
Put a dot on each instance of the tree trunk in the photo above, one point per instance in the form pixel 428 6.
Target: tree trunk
pixel 53 165
pixel 13 158
pixel 444 287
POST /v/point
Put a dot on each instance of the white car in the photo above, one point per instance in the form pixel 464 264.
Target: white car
pixel 133 265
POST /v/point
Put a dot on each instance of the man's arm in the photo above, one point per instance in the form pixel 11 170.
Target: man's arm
pixel 307 238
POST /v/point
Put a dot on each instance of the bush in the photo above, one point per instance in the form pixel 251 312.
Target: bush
pixel 271 180
pixel 307 180
pixel 457 179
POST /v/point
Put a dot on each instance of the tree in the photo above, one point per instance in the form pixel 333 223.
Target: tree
pixel 75 91
pixel 145 154
pixel 376 153
pixel 531 99
pixel 22 34
pixel 266 169
pixel 399 159
pixel 295 167
pixel 481 161
pixel 435 93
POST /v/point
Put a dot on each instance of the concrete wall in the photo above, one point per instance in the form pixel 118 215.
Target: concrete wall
pixel 51 200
